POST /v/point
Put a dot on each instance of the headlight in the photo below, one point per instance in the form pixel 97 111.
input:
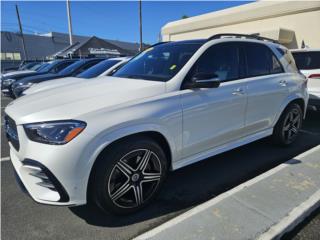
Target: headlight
pixel 22 86
pixel 8 82
pixel 57 133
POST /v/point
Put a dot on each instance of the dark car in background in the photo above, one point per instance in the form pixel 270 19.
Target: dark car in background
pixel 72 70
pixel 51 67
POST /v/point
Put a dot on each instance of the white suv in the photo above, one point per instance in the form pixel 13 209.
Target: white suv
pixel 308 62
pixel 174 104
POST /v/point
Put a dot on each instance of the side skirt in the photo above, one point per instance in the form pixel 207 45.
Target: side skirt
pixel 223 148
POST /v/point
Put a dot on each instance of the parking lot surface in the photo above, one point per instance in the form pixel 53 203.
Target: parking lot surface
pixel 24 219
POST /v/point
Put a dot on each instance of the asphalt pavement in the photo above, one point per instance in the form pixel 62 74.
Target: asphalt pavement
pixel 24 219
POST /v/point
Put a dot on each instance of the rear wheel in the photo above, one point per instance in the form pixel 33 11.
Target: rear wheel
pixel 129 175
pixel 288 126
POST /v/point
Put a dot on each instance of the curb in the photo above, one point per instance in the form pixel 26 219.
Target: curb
pixel 294 217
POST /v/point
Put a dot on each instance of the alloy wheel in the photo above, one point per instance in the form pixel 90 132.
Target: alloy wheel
pixel 134 178
pixel 292 124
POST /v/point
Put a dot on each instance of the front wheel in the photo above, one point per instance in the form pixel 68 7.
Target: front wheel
pixel 129 175
pixel 288 126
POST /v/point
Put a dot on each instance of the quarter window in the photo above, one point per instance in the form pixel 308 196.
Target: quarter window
pixel 221 60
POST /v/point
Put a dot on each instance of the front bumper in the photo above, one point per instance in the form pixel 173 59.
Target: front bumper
pixel 51 174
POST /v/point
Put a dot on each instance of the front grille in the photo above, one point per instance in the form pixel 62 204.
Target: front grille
pixel 11 132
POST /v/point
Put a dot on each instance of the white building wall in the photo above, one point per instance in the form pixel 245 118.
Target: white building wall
pixel 269 19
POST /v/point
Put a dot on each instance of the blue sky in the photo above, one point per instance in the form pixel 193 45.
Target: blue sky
pixel 108 19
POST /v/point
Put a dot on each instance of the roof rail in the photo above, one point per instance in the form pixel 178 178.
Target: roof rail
pixel 239 35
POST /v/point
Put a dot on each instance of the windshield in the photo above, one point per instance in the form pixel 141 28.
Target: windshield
pixel 307 60
pixel 96 70
pixel 158 63
pixel 28 66
pixel 36 67
pixel 43 65
pixel 70 69
pixel 48 66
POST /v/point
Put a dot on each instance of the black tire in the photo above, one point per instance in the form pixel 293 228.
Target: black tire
pixel 288 126
pixel 111 175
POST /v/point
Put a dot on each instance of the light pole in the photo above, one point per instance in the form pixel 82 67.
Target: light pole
pixel 69 22
pixel 21 33
pixel 140 25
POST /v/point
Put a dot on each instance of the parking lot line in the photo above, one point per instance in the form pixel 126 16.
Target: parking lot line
pixel 209 204
pixel 5 159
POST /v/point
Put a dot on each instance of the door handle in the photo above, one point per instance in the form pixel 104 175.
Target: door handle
pixel 283 83
pixel 238 92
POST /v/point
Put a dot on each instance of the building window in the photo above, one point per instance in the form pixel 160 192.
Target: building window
pixel 17 56
pixel 11 56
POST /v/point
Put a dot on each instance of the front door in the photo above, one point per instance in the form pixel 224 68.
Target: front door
pixel 215 116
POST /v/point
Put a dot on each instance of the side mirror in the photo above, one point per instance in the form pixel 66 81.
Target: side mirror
pixel 204 80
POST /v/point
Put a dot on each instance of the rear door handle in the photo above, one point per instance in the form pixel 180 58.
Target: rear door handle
pixel 283 83
pixel 238 92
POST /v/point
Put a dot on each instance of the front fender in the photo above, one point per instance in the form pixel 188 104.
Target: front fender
pixel 100 142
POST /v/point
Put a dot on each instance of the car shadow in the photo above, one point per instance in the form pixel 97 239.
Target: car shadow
pixel 202 181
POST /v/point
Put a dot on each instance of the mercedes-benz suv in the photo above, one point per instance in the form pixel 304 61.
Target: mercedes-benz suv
pixel 112 141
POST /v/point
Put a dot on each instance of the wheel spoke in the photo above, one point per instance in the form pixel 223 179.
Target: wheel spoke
pixel 121 191
pixel 149 177
pixel 144 161
pixel 124 167
pixel 289 134
pixel 294 130
pixel 296 119
pixel 291 116
pixel 286 127
pixel 138 194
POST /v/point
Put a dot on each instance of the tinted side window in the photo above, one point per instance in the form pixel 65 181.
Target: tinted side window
pixel 62 66
pixel 261 60
pixel 221 60
pixel 85 67
pixel 275 65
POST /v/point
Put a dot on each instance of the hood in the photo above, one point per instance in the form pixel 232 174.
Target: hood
pixel 19 75
pixel 37 78
pixel 52 84
pixel 16 72
pixel 72 101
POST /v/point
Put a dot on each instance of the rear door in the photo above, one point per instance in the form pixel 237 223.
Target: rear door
pixel 266 86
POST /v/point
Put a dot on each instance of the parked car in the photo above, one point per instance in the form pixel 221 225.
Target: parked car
pixel 172 105
pixel 308 62
pixel 72 70
pixel 103 68
pixel 52 67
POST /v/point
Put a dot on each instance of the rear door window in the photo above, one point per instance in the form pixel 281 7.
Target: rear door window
pixel 260 60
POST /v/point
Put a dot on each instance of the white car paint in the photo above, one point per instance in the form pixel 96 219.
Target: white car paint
pixel 196 123
pixel 69 80
pixel 313 83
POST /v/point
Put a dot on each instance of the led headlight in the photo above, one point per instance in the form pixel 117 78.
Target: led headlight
pixel 57 132
pixel 8 82
pixel 19 88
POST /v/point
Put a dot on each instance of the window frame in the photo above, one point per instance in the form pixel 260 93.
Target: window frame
pixel 246 67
